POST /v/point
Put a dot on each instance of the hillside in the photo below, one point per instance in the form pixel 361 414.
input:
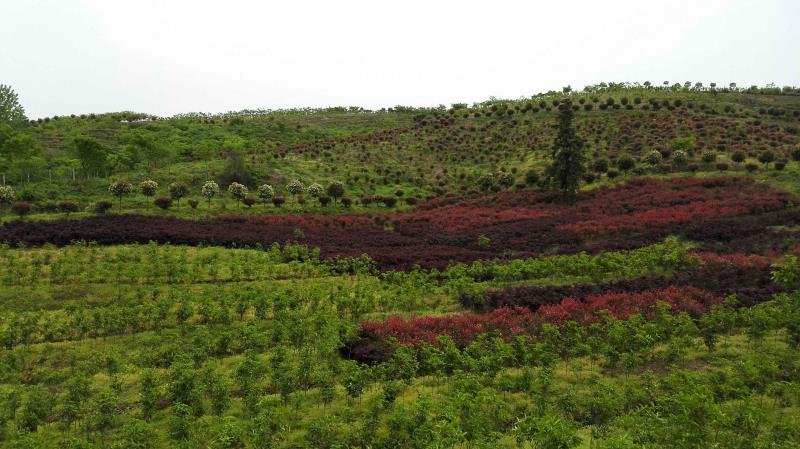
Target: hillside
pixel 408 279
pixel 417 152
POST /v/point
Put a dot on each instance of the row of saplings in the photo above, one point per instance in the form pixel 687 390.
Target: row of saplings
pixel 334 192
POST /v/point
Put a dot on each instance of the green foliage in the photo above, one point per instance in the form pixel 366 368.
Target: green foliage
pixel 237 191
pixel 335 190
pixel 91 154
pixel 148 187
pixel 210 190
pixel 787 272
pixel 566 170
pixel 236 170
pixel 11 111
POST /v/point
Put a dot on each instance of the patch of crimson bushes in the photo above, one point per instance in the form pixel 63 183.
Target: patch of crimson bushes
pixel 373 343
pixel 723 214
pixel 751 284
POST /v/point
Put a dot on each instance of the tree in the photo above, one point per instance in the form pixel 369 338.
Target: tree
pixel 314 190
pixel 237 191
pixel 11 111
pixel 17 146
pixel 7 195
pixel 148 396
pixel 738 157
pixel 295 187
pixel 236 170
pixel 679 157
pixel 566 170
pixel 120 189
pixel 653 157
pixel 625 163
pixel 766 157
pixel 146 146
pixel 91 154
pixel 148 187
pixel 178 190
pixel 209 190
pixel 265 192
pixel 104 410
pixel 547 432
pixel 335 190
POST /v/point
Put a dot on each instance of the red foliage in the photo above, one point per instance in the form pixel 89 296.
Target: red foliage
pixel 512 321
pixel 722 213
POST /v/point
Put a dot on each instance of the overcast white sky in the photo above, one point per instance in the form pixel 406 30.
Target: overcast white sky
pixel 166 57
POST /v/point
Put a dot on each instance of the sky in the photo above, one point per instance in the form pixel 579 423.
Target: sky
pixel 166 57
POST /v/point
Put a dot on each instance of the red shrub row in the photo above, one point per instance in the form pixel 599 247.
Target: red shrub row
pixel 372 344
pixel 519 224
pixel 751 284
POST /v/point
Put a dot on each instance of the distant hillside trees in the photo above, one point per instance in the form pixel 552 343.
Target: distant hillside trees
pixel 91 154
pixel 236 170
pixel 566 170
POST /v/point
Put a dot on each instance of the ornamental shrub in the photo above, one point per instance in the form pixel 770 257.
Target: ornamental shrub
pixel 209 190
pixel 148 187
pixel 265 192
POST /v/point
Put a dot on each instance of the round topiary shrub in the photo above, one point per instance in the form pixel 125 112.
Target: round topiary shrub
pixel 751 167
pixel 7 195
pixel 780 165
pixel 193 203
pixel 738 157
pixel 722 166
pixel 531 177
pixel 766 157
pixel 709 157
pixel 625 163
pixel 278 201
pixel 102 206
pixel 249 201
pixel 612 173
pixel 148 187
pixel 178 190
pixel 653 157
pixel 600 165
pixel 335 190
pixel 411 201
pixel 314 190
pixel 68 206
pixel 265 192
pixel 389 201
pixel 163 202
pixel 324 200
pixel 679 157
pixel 209 190
pixel 346 202
pixel 21 209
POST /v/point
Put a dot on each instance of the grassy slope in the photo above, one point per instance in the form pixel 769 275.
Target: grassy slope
pixel 424 160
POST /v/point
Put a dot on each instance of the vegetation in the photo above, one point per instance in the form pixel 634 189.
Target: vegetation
pixel 424 285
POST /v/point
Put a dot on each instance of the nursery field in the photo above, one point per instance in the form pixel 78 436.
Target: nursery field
pixel 550 325
pixel 409 277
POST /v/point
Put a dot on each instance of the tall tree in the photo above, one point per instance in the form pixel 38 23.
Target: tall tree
pixel 90 152
pixel 10 109
pixel 566 170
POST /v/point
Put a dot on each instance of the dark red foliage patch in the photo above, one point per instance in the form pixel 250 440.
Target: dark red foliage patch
pixel 724 214
pixel 374 344
pixel 751 284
